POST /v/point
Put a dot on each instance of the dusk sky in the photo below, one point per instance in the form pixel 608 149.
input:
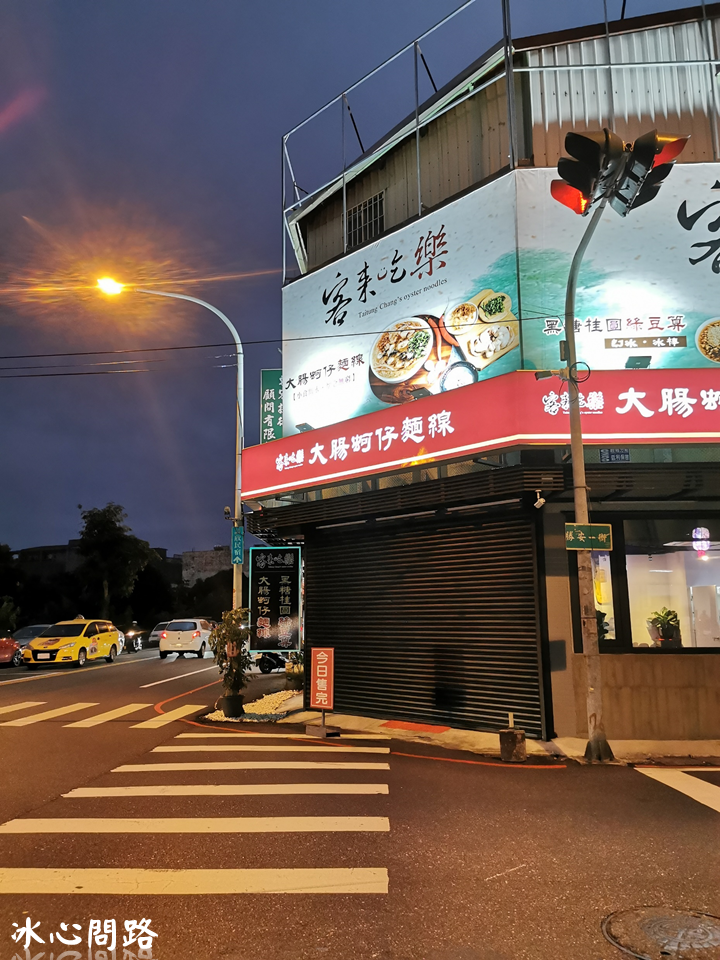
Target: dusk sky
pixel 142 139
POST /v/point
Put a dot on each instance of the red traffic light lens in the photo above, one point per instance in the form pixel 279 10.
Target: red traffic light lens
pixel 669 148
pixel 569 196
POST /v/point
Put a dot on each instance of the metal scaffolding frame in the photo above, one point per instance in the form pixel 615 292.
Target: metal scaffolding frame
pixel 501 63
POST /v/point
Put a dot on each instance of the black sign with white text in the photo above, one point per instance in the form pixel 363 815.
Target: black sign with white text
pixel 275 598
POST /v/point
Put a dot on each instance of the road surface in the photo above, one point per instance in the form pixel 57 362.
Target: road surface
pixel 259 844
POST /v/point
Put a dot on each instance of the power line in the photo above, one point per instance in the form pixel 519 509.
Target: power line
pixel 210 346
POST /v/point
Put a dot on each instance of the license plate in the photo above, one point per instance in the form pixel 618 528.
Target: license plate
pixel 43 656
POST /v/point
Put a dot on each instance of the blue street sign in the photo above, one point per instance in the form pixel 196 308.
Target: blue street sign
pixel 237 544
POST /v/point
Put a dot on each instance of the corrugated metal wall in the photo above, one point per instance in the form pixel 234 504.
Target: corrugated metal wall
pixel 450 636
pixel 469 143
pixel 671 98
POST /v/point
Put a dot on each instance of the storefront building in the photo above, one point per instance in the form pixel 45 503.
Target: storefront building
pixel 425 467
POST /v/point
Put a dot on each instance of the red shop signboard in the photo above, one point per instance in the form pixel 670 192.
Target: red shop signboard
pixel 630 406
pixel 322 678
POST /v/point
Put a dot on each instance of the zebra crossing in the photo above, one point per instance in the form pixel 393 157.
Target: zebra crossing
pixel 190 818
pixel 151 723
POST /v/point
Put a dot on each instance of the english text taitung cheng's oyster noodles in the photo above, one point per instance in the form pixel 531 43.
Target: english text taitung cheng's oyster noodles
pixel 401 351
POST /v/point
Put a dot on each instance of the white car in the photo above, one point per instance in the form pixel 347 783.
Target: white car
pixel 185 636
pixel 154 637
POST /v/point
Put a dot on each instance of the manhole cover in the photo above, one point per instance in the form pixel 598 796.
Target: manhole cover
pixel 654 933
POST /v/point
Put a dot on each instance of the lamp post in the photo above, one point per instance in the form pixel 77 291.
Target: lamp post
pixel 111 288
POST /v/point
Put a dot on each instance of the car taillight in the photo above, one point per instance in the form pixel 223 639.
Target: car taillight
pixel 163 635
pixel 196 634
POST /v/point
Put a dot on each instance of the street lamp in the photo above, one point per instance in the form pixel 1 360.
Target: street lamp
pixel 112 287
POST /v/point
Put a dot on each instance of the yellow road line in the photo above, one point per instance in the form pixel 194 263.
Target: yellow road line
pixel 229 790
pixel 706 793
pixel 162 718
pixel 34 880
pixel 22 706
pixel 47 714
pixel 109 715
pixel 201 825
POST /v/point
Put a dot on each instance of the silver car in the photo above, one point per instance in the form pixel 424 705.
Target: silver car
pixel 185 636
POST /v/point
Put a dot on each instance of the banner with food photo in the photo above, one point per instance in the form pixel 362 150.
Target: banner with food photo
pixel 647 294
pixel 425 309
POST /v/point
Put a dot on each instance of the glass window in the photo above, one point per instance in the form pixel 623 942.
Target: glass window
pixel 673 574
pixel 64 630
pixel 91 629
pixel 182 625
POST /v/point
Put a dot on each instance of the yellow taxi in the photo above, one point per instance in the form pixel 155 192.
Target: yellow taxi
pixel 73 642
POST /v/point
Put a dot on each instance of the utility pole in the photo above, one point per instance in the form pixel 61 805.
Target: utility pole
pixel 604 169
pixel 597 747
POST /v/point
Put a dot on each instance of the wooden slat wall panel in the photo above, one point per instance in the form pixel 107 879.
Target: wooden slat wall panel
pixel 436 623
pixel 462 147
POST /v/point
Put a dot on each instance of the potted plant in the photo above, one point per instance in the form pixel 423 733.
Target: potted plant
pixel 667 626
pixel 229 641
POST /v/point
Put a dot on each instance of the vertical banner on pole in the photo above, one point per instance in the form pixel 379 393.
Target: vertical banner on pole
pixel 271 405
pixel 322 678
pixel 237 544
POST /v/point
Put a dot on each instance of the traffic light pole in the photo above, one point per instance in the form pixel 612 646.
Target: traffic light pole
pixel 597 747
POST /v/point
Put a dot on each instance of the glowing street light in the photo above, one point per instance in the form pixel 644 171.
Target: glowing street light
pixel 112 287
pixel 109 286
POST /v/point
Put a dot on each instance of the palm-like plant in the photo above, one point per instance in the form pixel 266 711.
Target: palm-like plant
pixel 230 644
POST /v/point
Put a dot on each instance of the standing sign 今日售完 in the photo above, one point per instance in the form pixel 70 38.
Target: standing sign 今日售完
pixel 275 606
pixel 322 678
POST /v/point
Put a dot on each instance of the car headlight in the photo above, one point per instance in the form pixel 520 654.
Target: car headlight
pixel 66 646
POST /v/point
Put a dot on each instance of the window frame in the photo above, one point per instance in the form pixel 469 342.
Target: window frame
pixel 621 592
pixel 361 229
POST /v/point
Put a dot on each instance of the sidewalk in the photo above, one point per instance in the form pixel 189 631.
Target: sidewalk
pixel 482 742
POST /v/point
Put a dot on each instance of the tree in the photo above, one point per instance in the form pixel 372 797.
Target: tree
pixel 8 615
pixel 113 556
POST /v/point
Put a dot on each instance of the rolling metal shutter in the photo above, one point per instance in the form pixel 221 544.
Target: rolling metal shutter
pixel 431 621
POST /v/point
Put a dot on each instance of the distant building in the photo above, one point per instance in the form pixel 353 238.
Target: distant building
pixel 201 564
pixel 51 561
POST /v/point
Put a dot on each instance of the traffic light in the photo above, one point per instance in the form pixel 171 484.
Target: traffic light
pixel 592 173
pixel 650 160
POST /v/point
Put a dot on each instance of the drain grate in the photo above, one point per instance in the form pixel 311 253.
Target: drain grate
pixel 657 933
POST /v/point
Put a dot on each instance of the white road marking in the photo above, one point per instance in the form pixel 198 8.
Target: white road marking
pixel 123 882
pixel 505 872
pixel 706 793
pixel 178 677
pixel 74 673
pixel 229 790
pixel 201 825
pixel 249 765
pixel 47 714
pixel 22 706
pixel 162 718
pixel 264 748
pixel 279 736
pixel 110 715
